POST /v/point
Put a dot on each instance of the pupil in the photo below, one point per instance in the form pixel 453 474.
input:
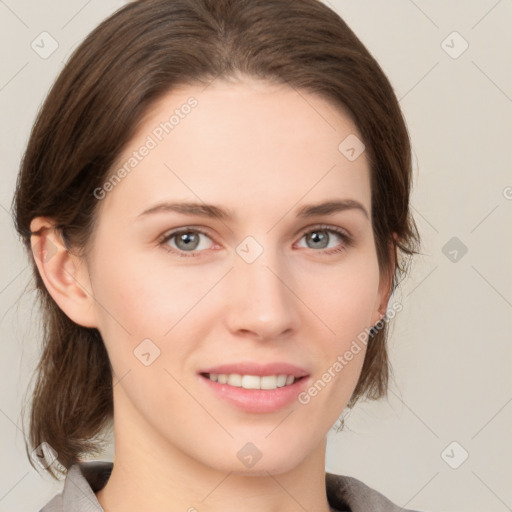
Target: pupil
pixel 187 239
pixel 319 237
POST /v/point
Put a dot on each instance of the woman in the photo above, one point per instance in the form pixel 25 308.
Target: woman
pixel 216 197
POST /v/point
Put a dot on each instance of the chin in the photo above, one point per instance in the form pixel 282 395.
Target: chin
pixel 248 460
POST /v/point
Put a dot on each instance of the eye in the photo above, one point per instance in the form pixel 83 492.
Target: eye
pixel 320 237
pixel 185 240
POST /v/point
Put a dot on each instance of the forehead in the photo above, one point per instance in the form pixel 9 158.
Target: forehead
pixel 230 142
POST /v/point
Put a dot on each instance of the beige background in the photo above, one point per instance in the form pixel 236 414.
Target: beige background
pixel 450 346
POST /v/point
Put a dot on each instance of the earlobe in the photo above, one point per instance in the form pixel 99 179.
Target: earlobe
pixel 64 275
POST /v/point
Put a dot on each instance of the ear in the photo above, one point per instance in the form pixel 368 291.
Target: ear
pixel 385 284
pixel 65 275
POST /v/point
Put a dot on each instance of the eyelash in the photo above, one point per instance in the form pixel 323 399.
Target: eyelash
pixel 347 240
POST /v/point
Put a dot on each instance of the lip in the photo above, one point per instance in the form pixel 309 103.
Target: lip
pixel 260 370
pixel 256 400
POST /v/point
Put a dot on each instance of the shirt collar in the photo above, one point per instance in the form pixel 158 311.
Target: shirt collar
pixel 82 481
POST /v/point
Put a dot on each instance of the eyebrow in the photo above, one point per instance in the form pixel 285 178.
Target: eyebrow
pixel 217 212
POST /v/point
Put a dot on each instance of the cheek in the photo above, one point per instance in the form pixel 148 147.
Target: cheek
pixel 151 310
pixel 147 300
pixel 344 298
pixel 345 304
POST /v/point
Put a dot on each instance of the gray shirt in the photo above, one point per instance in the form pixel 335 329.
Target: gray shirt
pixel 84 479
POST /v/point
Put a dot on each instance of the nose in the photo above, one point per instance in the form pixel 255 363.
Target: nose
pixel 261 302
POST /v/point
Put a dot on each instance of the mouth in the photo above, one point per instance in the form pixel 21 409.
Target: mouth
pixel 255 388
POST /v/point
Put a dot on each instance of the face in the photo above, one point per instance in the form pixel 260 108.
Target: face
pixel 181 292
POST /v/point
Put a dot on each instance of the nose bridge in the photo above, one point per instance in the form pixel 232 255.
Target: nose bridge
pixel 261 301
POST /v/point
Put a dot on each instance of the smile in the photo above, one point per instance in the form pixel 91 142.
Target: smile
pixel 268 382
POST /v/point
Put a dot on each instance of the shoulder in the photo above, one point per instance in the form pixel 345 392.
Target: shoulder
pixel 346 493
pixel 82 481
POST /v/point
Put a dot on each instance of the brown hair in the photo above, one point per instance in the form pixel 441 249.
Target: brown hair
pixel 123 67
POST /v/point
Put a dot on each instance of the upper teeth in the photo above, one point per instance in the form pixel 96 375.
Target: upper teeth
pixel 253 381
